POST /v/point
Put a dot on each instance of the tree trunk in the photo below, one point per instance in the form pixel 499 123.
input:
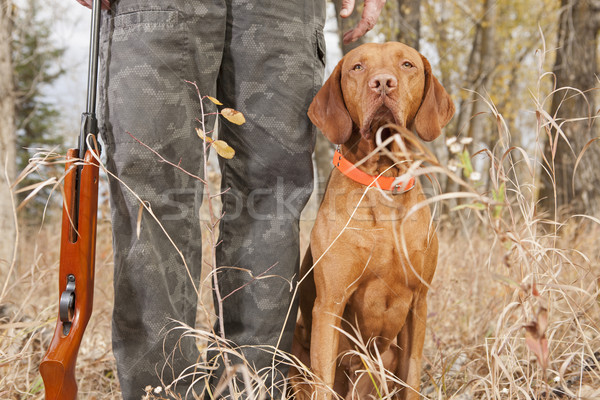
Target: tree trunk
pixel 408 28
pixel 464 109
pixel 7 135
pixel 480 129
pixel 575 67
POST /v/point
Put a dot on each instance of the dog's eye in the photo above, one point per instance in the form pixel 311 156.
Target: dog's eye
pixel 358 67
pixel 407 64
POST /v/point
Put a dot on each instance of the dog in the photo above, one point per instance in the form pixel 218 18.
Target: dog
pixel 356 274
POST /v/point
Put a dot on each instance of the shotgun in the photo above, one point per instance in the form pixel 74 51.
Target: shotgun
pixel 78 244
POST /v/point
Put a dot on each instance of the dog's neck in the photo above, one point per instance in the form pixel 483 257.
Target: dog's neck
pixel 358 147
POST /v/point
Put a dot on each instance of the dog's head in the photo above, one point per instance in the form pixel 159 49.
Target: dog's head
pixel 377 84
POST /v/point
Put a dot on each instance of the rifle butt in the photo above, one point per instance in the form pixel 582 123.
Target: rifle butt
pixel 59 381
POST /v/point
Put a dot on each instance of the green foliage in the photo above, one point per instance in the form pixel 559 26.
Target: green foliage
pixel 37 386
pixel 465 163
pixel 499 197
pixel 36 67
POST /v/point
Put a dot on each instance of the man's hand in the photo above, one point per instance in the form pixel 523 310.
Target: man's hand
pixel 367 22
pixel 88 4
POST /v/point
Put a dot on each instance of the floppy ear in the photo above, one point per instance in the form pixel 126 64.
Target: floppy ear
pixel 328 110
pixel 436 108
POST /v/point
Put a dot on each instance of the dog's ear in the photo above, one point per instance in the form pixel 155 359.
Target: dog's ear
pixel 436 108
pixel 328 110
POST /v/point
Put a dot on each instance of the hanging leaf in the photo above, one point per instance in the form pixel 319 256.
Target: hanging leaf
pixel 535 337
pixel 233 116
pixel 202 136
pixel 223 149
pixel 138 225
pixel 499 197
pixel 217 102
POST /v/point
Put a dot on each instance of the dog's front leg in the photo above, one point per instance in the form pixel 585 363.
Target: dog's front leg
pixel 327 318
pixel 410 342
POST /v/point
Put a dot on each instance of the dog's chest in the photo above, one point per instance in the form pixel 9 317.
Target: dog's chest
pixel 372 212
pixel 375 236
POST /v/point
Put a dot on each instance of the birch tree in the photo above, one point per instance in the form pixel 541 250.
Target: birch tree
pixel 7 134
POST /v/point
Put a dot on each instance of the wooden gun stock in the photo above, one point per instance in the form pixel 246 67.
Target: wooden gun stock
pixel 76 277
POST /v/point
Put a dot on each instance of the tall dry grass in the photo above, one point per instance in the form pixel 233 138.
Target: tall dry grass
pixel 28 312
pixel 514 308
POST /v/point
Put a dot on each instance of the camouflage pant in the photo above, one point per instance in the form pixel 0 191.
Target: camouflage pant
pixel 264 59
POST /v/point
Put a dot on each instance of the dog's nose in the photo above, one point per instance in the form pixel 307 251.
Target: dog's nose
pixel 383 83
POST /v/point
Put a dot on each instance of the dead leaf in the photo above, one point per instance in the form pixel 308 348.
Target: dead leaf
pixel 138 227
pixel 587 392
pixel 542 320
pixel 535 337
pixel 202 136
pixel 217 102
pixel 223 149
pixel 233 116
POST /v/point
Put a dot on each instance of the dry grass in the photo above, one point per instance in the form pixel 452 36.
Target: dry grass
pixel 503 271
pixel 483 296
pixel 475 339
pixel 28 316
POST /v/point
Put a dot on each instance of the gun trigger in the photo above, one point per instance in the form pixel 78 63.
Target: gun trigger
pixel 66 307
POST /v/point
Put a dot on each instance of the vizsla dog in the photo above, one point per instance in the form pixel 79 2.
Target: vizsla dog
pixel 363 276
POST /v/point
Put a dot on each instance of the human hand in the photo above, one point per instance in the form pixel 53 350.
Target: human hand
pixel 367 22
pixel 88 4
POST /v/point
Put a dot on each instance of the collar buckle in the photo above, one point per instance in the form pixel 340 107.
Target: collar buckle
pixel 400 184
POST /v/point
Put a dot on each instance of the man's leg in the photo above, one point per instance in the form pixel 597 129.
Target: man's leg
pixel 272 67
pixel 150 48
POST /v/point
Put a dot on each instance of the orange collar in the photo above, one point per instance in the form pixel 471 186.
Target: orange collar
pixel 397 185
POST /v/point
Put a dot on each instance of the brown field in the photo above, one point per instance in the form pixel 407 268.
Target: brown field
pixel 481 298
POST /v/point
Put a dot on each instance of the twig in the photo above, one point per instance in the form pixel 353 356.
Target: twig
pixel 254 279
pixel 213 240
pixel 162 159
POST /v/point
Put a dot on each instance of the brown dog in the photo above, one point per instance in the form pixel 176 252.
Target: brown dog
pixel 362 275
